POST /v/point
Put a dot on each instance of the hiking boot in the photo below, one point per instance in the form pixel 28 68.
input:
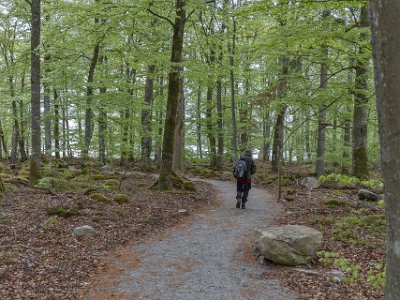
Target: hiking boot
pixel 243 204
pixel 239 201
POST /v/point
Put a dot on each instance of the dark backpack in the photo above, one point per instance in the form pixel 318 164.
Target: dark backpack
pixel 240 169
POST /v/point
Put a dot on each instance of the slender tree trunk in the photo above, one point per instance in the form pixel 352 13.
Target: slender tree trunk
pixel 47 117
pixel 220 154
pixel 35 93
pixel 266 136
pixel 102 131
pixel 57 125
pixel 198 114
pixel 146 117
pixel 125 115
pixel 3 139
pixel 320 165
pixel 165 179
pixel 15 136
pixel 233 84
pixel 360 156
pixel 210 128
pixel 386 44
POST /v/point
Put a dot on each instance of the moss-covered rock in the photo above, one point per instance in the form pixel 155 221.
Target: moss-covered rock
pixel 5 168
pixel 98 197
pixel 99 177
pixel 121 198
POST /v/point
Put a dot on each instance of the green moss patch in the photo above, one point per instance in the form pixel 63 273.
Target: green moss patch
pixel 121 198
pixel 64 212
pixel 98 197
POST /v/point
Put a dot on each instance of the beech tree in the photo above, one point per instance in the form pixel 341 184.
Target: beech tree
pixel 385 22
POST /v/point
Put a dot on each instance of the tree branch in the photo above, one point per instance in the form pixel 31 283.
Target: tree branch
pixel 29 2
pixel 159 16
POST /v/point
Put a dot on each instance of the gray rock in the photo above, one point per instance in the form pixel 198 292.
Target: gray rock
pixel 306 271
pixel 310 183
pixel 289 244
pixel 367 195
pixel 85 230
pixel 182 212
pixel 381 197
pixel 336 275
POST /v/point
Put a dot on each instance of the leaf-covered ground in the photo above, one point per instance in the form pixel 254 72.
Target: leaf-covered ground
pixel 353 242
pixel 40 258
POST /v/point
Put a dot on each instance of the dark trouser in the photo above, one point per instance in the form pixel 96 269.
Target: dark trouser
pixel 243 191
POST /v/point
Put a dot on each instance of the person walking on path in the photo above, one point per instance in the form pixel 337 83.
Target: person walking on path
pixel 244 168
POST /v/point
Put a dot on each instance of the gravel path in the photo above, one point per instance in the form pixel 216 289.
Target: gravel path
pixel 209 257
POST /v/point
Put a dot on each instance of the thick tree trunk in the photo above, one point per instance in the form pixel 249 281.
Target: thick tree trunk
pixel 165 179
pixel 277 146
pixel 178 157
pixel 35 93
pixel 89 99
pixel 320 164
pixel 146 117
pixel 386 44
pixel 360 156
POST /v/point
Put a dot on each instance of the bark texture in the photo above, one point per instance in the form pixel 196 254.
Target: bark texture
pixel 165 179
pixel 385 22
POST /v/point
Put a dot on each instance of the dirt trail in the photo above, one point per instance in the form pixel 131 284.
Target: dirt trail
pixel 209 257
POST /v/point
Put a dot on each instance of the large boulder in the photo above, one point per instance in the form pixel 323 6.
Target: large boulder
pixel 289 244
pixel 367 195
pixel 310 183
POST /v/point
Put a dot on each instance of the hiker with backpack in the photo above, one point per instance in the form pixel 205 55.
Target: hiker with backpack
pixel 242 171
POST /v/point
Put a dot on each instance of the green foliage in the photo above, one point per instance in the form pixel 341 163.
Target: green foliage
pixel 381 203
pixel 50 222
pixel 121 198
pixel 346 181
pixel 317 219
pixel 112 183
pixel 373 183
pixel 60 185
pixel 65 212
pixel 336 202
pixel 353 271
pixel 376 276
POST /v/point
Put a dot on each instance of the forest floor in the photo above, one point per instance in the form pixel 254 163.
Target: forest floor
pixel 41 258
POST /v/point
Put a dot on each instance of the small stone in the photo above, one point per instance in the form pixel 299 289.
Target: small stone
pixel 85 230
pixel 336 276
pixel 182 212
pixel 306 271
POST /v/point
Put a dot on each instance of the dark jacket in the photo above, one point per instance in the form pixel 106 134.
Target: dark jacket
pixel 251 167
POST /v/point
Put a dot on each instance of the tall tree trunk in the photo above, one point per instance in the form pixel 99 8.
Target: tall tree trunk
pixel 360 156
pixel 320 164
pixel 198 127
pixel 385 22
pixel 15 136
pixel 146 117
pixel 220 154
pixel 47 115
pixel 160 123
pixel 266 136
pixel 89 100
pixel 165 179
pixel 179 147
pixel 233 85
pixel 102 131
pixel 210 128
pixel 35 93
pixel 57 126
pixel 125 115
pixel 277 146
pixel 3 139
